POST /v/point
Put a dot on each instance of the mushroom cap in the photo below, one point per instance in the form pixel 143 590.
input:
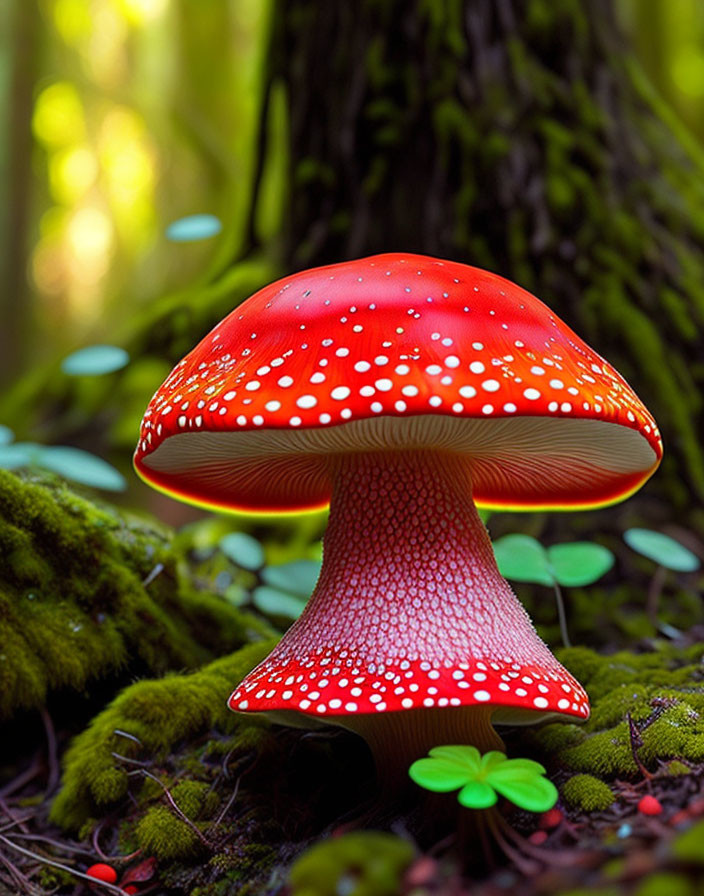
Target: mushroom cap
pixel 395 351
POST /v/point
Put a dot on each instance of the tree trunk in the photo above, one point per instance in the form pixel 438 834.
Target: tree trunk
pixel 520 137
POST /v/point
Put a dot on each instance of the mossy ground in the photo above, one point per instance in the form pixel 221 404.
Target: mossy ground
pixel 87 592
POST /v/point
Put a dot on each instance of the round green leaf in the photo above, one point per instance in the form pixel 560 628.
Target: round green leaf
pixel 193 227
pixel 476 795
pixel 662 549
pixel 465 755
pixel 6 435
pixel 491 760
pixel 534 793
pixel 516 767
pixel 439 775
pixel 298 577
pixel 242 549
pixel 579 562
pixel 80 466
pixel 19 454
pixel 277 603
pixel 95 360
pixel 523 559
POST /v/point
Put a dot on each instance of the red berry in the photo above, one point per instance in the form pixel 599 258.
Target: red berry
pixel 102 872
pixel 537 838
pixel 649 805
pixel 550 819
pixel 130 889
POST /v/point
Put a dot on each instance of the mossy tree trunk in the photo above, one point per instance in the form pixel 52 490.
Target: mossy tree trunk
pixel 517 136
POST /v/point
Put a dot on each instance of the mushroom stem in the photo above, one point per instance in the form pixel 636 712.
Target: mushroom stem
pixel 410 620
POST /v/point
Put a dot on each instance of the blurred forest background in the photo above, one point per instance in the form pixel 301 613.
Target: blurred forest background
pixel 120 116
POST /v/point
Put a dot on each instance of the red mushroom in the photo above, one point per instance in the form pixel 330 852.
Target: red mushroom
pixel 401 389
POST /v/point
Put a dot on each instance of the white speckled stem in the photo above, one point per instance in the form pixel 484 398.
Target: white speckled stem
pixel 409 571
pixel 409 575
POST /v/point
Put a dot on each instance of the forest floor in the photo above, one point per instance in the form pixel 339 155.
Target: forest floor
pixel 619 849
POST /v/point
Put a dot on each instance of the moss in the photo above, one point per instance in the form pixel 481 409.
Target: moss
pixel 663 692
pixel 367 863
pixel 676 768
pixel 162 834
pixel 147 719
pixel 86 591
pixel 588 793
pixel 665 882
pixel 687 847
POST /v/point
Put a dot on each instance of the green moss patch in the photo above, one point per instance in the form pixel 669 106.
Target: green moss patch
pixel 86 591
pixel 147 720
pixel 587 793
pixel 365 863
pixel 663 692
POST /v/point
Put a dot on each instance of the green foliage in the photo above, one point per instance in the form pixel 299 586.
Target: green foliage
pixel 587 793
pixel 523 559
pixel 664 550
pixel 288 587
pixel 687 847
pixel 95 360
pixel 87 591
pixel 661 690
pixel 365 863
pixel 71 463
pixel 665 882
pixel 480 778
pixel 243 550
pixel 148 718
pixel 193 227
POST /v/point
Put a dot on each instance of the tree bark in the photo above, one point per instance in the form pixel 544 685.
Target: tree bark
pixel 517 136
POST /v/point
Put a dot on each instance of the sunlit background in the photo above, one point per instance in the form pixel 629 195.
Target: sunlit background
pixel 143 111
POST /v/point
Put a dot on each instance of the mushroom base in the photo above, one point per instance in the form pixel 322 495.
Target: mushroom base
pixel 397 739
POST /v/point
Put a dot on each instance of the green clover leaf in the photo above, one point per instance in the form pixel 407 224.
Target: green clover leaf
pixel 482 779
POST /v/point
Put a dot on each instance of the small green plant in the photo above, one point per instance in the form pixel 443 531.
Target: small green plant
pixel 573 565
pixel 95 360
pixel 282 590
pixel 65 460
pixel 482 779
pixel 193 227
pixel 668 554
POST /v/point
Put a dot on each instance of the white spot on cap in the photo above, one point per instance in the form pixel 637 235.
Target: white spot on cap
pixel 452 361
pixel 433 369
pixel 307 401
pixel 491 385
pixel 272 405
pixel 285 382
pixel 481 696
pixel 362 366
pixel 531 394
pixel 510 407
pixel 384 385
pixel 340 393
pixel 467 391
pixel 410 391
pixel 317 377
pixel 540 702
pixel 380 360
pixel 477 367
